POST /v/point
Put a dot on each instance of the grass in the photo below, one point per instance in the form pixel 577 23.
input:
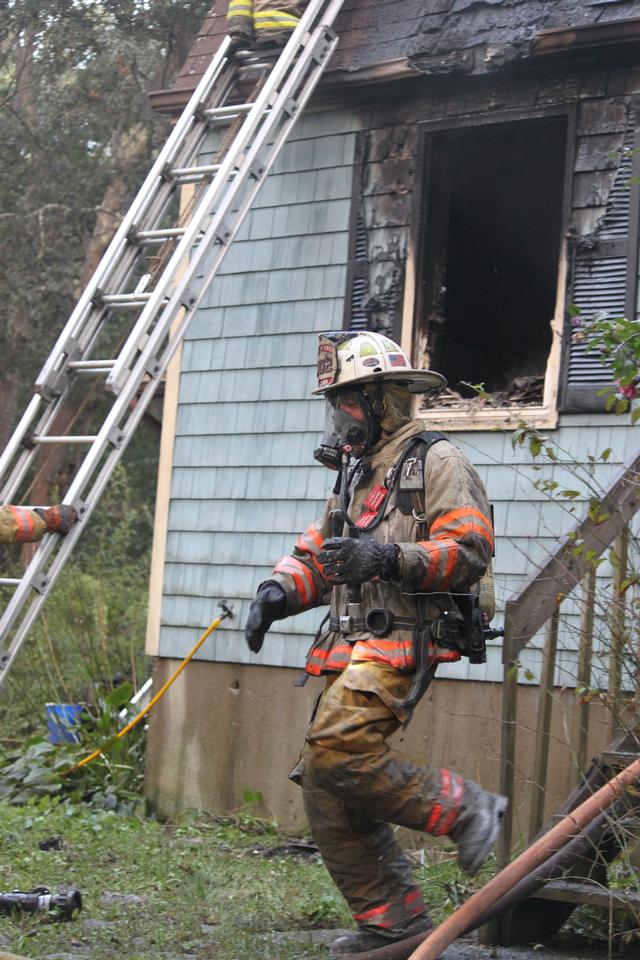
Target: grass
pixel 198 889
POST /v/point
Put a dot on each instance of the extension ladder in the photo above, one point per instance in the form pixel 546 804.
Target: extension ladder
pixel 155 311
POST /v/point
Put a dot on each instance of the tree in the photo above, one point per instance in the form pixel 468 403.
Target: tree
pixel 76 136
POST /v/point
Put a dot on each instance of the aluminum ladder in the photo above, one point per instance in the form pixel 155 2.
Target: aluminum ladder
pixel 155 311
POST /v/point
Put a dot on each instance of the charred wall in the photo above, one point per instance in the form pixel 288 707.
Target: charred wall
pixel 389 202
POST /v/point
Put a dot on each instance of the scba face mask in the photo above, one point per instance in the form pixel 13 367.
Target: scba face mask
pixel 352 425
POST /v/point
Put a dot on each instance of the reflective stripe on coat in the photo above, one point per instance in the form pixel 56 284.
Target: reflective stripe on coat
pixel 20 525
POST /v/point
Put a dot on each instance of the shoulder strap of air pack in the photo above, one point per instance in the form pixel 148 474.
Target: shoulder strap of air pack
pixel 410 495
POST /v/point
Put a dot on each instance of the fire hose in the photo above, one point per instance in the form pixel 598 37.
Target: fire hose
pixel 512 883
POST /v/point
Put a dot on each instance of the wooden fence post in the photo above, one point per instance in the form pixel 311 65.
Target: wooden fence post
pixel 508 747
pixel 583 678
pixel 545 701
pixel 616 653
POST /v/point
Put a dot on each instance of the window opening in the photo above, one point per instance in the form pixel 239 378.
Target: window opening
pixel 493 224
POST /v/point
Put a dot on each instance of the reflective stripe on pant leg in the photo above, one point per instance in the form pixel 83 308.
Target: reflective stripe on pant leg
pixel 446 810
pixel 364 859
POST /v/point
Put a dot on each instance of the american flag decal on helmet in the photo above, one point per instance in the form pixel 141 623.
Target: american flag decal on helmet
pixel 397 360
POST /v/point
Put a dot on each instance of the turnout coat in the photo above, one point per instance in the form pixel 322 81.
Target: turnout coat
pixel 263 21
pixel 20 525
pixel 448 549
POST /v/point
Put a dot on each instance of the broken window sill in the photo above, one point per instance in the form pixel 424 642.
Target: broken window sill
pixel 489 418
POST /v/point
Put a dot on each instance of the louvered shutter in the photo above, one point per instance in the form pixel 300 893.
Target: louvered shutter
pixel 357 317
pixel 599 285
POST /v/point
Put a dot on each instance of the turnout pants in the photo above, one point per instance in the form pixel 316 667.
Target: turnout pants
pixel 355 786
pixel 263 21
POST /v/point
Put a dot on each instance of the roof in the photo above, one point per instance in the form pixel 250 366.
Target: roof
pixel 381 38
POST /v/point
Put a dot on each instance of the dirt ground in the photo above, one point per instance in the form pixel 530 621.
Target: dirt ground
pixel 468 948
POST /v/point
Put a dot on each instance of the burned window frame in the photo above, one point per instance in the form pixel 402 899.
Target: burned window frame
pixel 506 415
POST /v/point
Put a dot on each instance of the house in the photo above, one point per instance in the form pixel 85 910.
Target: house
pixel 464 173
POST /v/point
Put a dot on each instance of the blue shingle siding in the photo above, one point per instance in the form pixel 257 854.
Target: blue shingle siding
pixel 529 522
pixel 243 480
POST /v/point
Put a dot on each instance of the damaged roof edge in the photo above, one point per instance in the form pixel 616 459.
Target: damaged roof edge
pixel 175 99
pixel 563 40
pixel 566 39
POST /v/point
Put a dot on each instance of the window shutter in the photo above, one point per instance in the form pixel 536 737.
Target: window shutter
pixel 600 284
pixel 357 317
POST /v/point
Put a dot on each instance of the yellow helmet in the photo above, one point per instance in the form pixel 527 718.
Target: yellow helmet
pixel 348 358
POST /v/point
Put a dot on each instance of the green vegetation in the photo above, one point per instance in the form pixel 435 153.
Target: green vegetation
pixel 89 637
pixel 205 887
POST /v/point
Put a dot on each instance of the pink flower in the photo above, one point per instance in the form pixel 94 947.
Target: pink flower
pixel 627 390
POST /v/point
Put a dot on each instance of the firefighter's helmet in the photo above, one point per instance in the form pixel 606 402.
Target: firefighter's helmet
pixel 348 358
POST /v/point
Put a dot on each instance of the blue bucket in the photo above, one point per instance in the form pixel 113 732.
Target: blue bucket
pixel 62 718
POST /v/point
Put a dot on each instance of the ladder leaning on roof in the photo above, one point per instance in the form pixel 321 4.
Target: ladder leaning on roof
pixel 159 307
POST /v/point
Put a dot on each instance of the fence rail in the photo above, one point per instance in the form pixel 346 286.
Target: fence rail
pixel 538 604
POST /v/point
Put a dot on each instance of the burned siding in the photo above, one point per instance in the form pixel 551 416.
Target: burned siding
pixel 383 184
pixel 390 202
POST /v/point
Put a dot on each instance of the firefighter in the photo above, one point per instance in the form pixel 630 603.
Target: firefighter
pixel 407 532
pixel 24 525
pixel 261 23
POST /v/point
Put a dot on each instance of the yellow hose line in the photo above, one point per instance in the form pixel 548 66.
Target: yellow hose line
pixel 136 720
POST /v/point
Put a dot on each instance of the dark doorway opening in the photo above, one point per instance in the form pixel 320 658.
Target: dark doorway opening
pixel 491 249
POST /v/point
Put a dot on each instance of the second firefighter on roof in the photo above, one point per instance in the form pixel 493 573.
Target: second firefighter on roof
pixel 260 23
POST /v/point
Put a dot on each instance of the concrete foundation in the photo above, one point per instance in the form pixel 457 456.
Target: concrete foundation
pixel 224 729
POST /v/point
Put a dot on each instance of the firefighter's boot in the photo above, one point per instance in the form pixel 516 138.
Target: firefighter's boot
pixel 370 938
pixel 239 45
pixel 477 828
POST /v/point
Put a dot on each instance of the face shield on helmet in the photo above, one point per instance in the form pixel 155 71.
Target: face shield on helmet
pixel 352 425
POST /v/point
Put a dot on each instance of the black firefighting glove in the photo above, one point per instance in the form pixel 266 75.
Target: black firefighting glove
pixel 59 518
pixel 350 560
pixel 270 604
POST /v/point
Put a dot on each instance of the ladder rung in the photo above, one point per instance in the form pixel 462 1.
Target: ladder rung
pixel 91 365
pixel 9 582
pixel 264 62
pixel 187 174
pixel 169 233
pixel 52 440
pixel 230 111
pixel 124 299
